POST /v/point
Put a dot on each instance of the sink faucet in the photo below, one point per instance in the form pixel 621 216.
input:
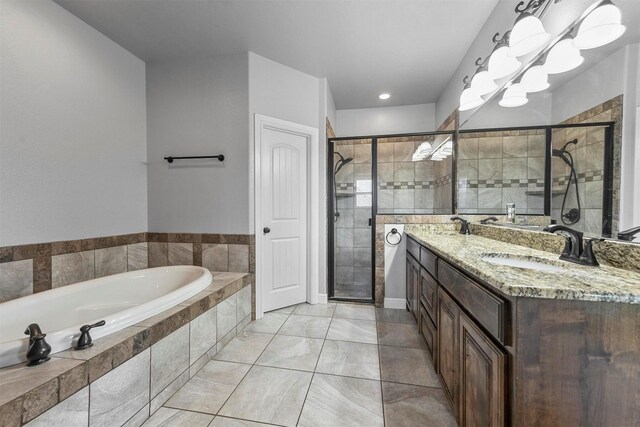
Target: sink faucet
pixel 39 349
pixel 464 224
pixel 487 219
pixel 573 248
pixel 629 234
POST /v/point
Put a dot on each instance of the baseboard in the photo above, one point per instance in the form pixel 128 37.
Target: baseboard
pixel 400 303
pixel 322 298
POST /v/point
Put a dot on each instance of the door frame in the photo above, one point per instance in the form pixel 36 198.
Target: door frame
pixel 262 122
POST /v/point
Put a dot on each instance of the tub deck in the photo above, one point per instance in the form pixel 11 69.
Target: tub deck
pixel 26 392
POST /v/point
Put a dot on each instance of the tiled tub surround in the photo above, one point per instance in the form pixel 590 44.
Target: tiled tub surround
pixel 407 187
pixel 128 375
pixel 28 269
pixel 574 282
pixel 500 167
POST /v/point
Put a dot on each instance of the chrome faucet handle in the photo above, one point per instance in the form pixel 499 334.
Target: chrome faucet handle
pixel 85 341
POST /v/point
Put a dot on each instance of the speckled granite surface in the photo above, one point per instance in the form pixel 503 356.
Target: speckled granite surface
pixel 573 281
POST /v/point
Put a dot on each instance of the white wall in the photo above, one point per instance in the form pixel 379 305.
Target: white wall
pixel 73 129
pixel 282 92
pixel 386 120
pixel 198 107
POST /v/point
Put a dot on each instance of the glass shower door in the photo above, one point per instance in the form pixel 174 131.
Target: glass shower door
pixel 352 215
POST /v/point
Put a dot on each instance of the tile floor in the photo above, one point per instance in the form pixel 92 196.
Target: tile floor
pixel 316 365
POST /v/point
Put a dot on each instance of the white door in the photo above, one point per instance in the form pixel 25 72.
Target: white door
pixel 282 217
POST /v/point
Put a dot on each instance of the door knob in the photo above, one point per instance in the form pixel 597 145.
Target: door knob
pixel 266 230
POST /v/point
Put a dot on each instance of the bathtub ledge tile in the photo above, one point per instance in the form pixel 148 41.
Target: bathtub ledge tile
pixel 166 322
pixel 39 400
pixel 169 359
pixel 11 413
pixel 74 380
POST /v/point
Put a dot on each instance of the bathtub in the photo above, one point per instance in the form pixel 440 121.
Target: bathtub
pixel 121 300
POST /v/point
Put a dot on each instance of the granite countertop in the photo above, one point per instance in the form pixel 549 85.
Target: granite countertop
pixel 573 281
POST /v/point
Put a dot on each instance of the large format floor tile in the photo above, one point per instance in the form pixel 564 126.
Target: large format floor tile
pixel 407 365
pixel 233 422
pixel 270 323
pixel 306 326
pixel 400 334
pixel 177 418
pixel 394 315
pixel 286 310
pixel 269 395
pixel 353 311
pixel 349 359
pixel 342 401
pixel 291 352
pixel 245 347
pixel 353 330
pixel 210 387
pixel 409 405
pixel 322 310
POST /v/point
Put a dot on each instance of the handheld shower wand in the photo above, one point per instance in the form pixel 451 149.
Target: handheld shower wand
pixel 573 215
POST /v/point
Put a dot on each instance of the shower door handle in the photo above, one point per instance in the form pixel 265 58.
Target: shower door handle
pixel 266 230
pixel 369 222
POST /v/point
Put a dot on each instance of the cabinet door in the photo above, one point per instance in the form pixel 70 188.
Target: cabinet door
pixel 447 347
pixel 415 289
pixel 482 370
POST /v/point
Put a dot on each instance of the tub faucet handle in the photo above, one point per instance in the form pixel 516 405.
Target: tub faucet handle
pixel 85 340
pixel 39 350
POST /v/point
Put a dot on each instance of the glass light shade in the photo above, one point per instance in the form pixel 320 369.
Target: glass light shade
pixel 424 148
pixel 501 64
pixel 528 35
pixel 437 158
pixel 535 79
pixel 469 100
pixel 514 96
pixel 447 148
pixel 562 57
pixel 418 157
pixel 600 27
pixel 482 83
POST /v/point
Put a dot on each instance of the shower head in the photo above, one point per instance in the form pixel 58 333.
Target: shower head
pixel 561 152
pixel 340 163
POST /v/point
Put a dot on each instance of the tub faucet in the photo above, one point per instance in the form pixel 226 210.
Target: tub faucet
pixel 464 224
pixel 39 349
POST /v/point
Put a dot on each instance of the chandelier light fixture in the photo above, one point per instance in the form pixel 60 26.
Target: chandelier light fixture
pixel 600 24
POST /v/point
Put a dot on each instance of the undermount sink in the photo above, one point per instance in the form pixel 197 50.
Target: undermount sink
pixel 517 261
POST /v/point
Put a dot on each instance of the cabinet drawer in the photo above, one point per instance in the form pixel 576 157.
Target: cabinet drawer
pixel 428 293
pixel 413 248
pixel 487 309
pixel 428 331
pixel 429 261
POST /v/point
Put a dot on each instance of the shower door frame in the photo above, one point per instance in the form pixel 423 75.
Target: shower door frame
pixel 331 219
pixel 374 203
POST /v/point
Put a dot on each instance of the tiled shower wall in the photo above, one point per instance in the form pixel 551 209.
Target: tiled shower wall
pixel 353 254
pixel 589 160
pixel 496 168
pixel 407 187
pixel 28 269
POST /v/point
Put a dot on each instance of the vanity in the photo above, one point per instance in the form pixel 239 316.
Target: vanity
pixel 543 343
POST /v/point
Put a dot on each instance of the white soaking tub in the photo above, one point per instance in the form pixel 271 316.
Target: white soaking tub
pixel 121 300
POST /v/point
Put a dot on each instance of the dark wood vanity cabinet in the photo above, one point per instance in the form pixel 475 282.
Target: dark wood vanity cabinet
pixel 412 287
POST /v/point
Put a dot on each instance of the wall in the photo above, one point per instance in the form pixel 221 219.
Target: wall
pixel 282 92
pixel 385 120
pixel 73 129
pixel 198 107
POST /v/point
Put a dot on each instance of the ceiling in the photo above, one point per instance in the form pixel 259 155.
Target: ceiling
pixel 409 48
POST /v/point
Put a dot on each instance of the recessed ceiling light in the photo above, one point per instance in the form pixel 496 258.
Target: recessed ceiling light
pixel 384 95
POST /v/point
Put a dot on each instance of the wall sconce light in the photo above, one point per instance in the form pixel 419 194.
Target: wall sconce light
pixel 536 78
pixel 469 99
pixel 482 83
pixel 563 57
pixel 501 64
pixel 601 26
pixel 528 33
pixel 514 96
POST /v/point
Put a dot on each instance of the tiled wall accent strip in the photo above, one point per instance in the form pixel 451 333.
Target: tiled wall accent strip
pixel 33 268
pixel 501 183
